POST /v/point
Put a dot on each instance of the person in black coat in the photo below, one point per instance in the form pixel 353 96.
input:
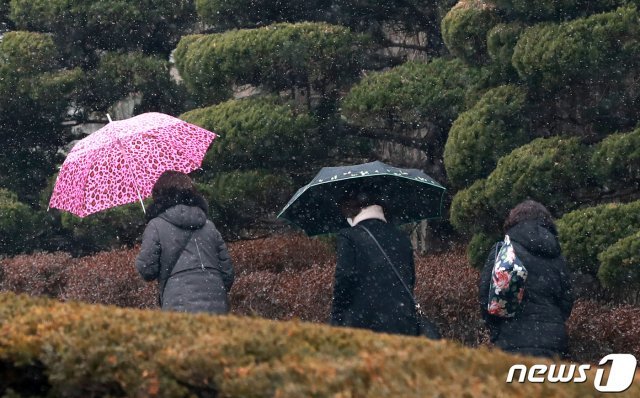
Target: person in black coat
pixel 367 294
pixel 183 250
pixel 539 330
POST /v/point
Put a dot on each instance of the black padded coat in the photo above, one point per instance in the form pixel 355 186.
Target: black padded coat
pixel 540 328
pixel 367 294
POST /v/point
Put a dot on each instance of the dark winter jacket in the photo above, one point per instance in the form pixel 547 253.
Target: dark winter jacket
pixel 540 328
pixel 203 274
pixel 367 293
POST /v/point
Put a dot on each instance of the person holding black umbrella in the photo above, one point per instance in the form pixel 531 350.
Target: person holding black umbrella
pixel 375 273
pixel 367 293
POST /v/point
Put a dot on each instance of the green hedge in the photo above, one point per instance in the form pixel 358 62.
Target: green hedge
pixel 118 75
pixel 150 25
pixel 534 10
pixel 553 55
pixel 470 211
pixel 550 171
pixel 34 99
pixel 492 128
pixel 501 41
pixel 413 94
pixel 68 349
pixel 465 28
pixel 586 233
pixel 19 224
pixel 235 14
pixel 258 132
pixel 108 229
pixel 616 160
pixel 479 248
pixel 27 53
pixel 240 199
pixel 620 263
pixel 279 57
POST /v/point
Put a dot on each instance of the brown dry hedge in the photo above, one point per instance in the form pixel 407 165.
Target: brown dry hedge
pixel 49 348
pixel 291 277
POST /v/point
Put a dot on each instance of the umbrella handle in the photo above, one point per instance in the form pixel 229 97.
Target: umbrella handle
pixel 109 118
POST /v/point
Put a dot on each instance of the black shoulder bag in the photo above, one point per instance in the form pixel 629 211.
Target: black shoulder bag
pixel 425 326
pixel 170 270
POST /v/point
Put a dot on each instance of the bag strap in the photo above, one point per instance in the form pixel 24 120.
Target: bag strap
pixel 498 247
pixel 395 271
pixel 170 269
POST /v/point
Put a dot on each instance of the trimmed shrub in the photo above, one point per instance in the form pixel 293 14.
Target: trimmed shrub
pixel 616 160
pixel 587 232
pixel 233 14
pixel 28 53
pixel 260 132
pixel 289 277
pixel 152 26
pixel 242 200
pixel 290 252
pixel 119 75
pixel 501 40
pixel 305 294
pixel 109 229
pixel 29 80
pixel 548 170
pixel 470 211
pixel 596 330
pixel 110 278
pixel 413 94
pixel 34 99
pixel 37 274
pixel 447 289
pixel 465 27
pixel 552 55
pixel 279 57
pixel 78 349
pixel 492 128
pixel 620 264
pixel 283 277
pixel 479 247
pixel 535 10
pixel 18 224
pixel 407 16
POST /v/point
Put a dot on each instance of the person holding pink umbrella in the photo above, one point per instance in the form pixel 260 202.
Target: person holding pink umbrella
pixel 183 249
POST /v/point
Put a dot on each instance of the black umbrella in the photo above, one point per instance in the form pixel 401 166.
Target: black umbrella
pixel 407 195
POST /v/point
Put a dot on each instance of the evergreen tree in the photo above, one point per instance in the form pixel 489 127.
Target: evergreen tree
pixel 565 139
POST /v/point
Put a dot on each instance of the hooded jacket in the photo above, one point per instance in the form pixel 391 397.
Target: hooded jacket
pixel 540 328
pixel 367 294
pixel 202 276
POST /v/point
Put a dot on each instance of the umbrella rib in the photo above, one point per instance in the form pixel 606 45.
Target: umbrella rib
pixel 126 155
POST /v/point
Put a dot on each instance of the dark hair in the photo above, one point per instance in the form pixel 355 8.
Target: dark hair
pixel 529 210
pixel 356 198
pixel 171 182
pixel 173 188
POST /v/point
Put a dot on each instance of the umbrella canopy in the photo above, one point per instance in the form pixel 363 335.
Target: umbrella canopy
pixel 408 195
pixel 121 162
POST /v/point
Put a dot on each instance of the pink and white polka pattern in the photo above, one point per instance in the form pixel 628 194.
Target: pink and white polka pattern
pixel 122 160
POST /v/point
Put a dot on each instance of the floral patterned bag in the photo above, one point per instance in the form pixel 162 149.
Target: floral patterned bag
pixel 507 282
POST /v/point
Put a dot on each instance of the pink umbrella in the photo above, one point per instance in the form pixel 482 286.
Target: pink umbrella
pixel 119 163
